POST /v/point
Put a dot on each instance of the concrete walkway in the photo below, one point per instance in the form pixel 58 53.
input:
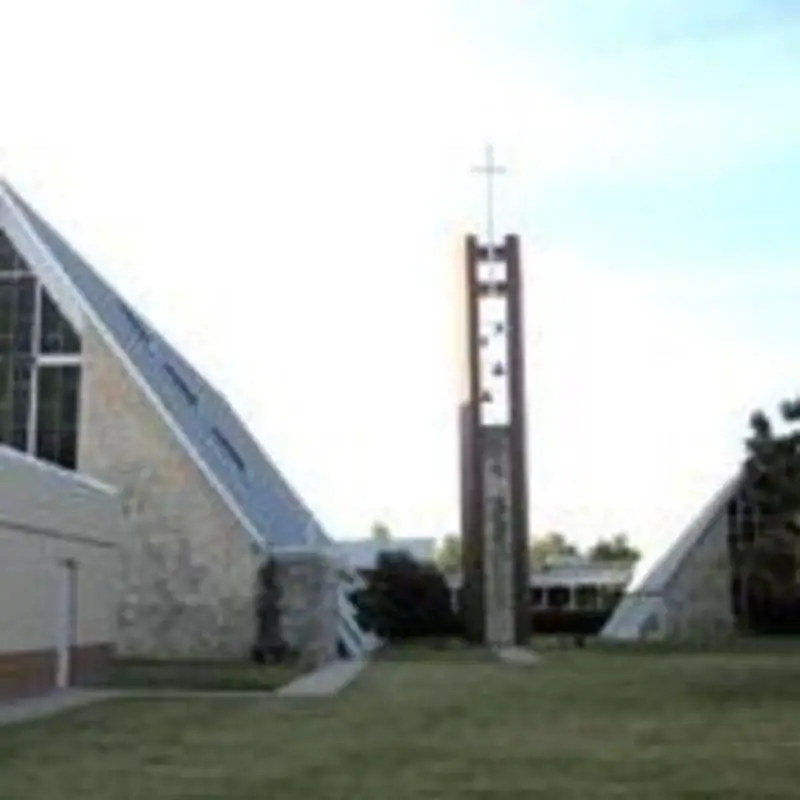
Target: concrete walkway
pixel 326 681
pixel 47 705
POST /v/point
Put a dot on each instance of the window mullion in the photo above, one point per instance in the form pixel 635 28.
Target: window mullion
pixel 33 409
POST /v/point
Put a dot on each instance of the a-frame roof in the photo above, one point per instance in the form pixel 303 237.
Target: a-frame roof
pixel 654 578
pixel 204 422
pixel 644 602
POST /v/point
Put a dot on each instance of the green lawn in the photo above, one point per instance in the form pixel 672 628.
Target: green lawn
pixel 190 675
pixel 583 724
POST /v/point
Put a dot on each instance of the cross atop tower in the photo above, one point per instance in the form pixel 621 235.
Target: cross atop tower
pixel 490 169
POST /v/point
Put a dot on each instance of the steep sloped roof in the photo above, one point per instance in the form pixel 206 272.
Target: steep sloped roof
pixel 642 609
pixel 653 578
pixel 219 440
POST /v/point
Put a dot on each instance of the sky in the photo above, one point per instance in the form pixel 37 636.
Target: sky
pixel 282 189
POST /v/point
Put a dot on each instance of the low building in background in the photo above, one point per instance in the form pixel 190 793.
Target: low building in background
pixel 568 595
pixel 575 583
pixel 570 584
pixel 362 555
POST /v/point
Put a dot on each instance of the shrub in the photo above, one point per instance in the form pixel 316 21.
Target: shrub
pixel 579 622
pixel 269 645
pixel 404 599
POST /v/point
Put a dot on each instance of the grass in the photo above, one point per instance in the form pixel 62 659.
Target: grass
pixel 592 723
pixel 438 650
pixel 192 675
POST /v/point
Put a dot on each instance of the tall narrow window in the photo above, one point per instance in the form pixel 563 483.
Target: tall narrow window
pixel 230 451
pixel 17 309
pixel 57 335
pixel 57 414
pixel 133 320
pixel 15 386
pixel 33 335
pixel 181 385
pixel 10 260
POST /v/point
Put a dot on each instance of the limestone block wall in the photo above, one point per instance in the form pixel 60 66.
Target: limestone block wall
pixel 188 566
pixel 698 597
pixel 308 584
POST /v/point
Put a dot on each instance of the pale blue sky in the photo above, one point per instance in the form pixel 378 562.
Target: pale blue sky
pixel 281 187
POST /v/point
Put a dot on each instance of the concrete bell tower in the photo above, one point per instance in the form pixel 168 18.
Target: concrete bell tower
pixel 494 481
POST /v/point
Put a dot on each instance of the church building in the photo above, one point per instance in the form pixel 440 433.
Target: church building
pixel 687 592
pixel 87 384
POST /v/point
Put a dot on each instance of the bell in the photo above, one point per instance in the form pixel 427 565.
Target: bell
pixel 484 341
pixel 498 370
pixel 486 396
pixel 499 328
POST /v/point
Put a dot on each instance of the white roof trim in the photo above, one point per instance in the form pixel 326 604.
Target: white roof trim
pixel 57 272
pixel 38 257
pixel 46 466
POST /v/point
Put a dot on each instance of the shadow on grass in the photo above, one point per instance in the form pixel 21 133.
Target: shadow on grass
pixel 458 650
pixel 200 675
pixel 434 649
pixel 733 645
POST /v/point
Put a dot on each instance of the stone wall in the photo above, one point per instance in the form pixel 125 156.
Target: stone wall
pixel 698 596
pixel 499 601
pixel 188 565
pixel 308 584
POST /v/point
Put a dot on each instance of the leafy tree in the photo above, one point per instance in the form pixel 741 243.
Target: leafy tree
pixel 772 468
pixel 765 556
pixel 405 599
pixel 615 548
pixel 381 533
pixel 551 545
pixel 448 554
